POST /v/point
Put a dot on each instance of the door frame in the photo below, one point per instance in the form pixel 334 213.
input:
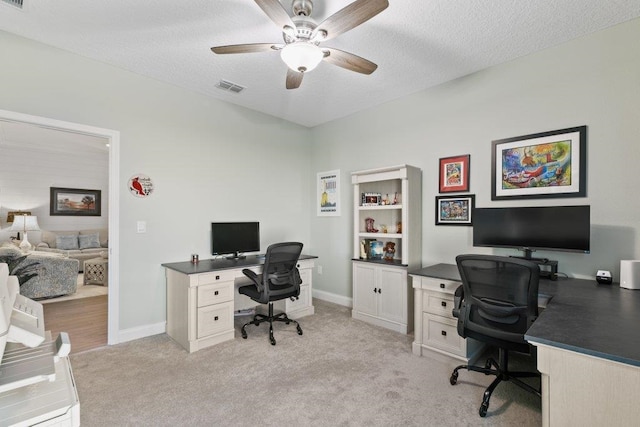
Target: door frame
pixel 113 138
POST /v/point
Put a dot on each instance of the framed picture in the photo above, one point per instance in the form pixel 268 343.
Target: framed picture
pixel 74 202
pixel 455 210
pixel 328 200
pixel 541 165
pixel 454 174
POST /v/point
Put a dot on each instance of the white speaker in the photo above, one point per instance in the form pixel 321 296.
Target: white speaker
pixel 630 274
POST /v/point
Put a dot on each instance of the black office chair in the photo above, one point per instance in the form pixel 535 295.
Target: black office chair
pixel 280 279
pixel 497 304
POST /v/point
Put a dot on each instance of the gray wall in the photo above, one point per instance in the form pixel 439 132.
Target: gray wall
pixel 591 81
pixel 207 158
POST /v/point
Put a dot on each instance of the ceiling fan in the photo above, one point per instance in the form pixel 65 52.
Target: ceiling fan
pixel 301 50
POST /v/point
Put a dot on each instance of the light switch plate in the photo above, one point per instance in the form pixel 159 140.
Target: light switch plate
pixel 142 226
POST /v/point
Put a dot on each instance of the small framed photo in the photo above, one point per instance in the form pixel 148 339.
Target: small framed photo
pixel 454 174
pixel 455 210
pixel 74 202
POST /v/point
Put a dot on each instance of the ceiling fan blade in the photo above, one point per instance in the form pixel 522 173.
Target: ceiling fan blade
pixel 294 78
pixel 347 18
pixel 246 48
pixel 276 13
pixel 348 61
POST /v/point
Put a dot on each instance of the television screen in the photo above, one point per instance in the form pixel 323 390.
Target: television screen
pixel 235 237
pixel 562 228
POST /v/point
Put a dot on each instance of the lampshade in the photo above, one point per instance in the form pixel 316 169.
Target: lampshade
pixel 301 56
pixel 25 223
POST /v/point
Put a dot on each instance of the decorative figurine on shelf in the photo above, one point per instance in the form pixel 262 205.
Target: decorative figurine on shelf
pixel 389 251
pixel 383 228
pixel 369 225
pixel 387 200
pixel 395 198
pixel 363 252
pixel 399 227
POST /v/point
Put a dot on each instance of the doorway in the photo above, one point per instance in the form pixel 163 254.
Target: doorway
pixel 112 137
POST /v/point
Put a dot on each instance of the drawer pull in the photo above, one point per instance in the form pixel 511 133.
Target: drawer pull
pixel 217 277
pixel 375 290
pixel 444 303
pixel 215 318
pixel 441 285
pixel 444 333
pixel 379 290
pixel 215 293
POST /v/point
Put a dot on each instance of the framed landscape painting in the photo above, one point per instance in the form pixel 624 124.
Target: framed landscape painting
pixel 74 202
pixel 541 165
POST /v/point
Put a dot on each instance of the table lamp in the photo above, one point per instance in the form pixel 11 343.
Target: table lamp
pixel 25 223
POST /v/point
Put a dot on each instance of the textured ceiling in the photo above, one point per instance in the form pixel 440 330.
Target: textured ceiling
pixel 417 44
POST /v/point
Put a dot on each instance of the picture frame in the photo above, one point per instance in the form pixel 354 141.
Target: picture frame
pixel 328 197
pixel 541 165
pixel 454 174
pixel 455 210
pixel 74 202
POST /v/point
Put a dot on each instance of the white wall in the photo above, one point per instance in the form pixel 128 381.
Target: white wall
pixel 590 81
pixel 28 171
pixel 209 160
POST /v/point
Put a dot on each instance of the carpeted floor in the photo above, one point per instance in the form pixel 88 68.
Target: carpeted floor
pixel 341 372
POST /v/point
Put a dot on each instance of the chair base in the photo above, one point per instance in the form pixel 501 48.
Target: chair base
pixel 261 318
pixel 501 372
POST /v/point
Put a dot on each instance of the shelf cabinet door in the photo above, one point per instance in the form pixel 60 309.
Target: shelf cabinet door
pixel 392 300
pixel 365 288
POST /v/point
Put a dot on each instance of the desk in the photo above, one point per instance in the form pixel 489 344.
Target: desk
pixel 588 350
pixel 202 298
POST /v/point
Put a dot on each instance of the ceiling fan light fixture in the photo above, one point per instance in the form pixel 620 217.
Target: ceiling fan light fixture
pixel 301 56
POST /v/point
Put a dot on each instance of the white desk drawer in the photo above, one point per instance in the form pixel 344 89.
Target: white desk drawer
pixel 442 333
pixel 215 318
pixel 303 300
pixel 215 277
pixel 439 285
pixel 437 303
pixel 305 275
pixel 213 294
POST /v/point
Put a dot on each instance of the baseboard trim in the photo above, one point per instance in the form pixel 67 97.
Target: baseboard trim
pixel 141 332
pixel 334 298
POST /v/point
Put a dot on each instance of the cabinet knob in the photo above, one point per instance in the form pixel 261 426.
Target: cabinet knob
pixel 215 318
pixel 444 303
pixel 375 290
pixel 215 293
pixel 444 333
pixel 379 290
pixel 217 277
pixel 441 285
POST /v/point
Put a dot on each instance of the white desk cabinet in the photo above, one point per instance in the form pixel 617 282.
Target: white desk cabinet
pixel 202 298
pixel 435 327
pixel 380 295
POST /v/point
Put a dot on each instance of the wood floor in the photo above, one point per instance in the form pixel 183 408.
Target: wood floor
pixel 85 320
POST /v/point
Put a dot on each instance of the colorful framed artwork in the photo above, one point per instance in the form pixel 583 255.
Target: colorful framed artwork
pixel 541 165
pixel 328 200
pixel 74 202
pixel 455 210
pixel 454 174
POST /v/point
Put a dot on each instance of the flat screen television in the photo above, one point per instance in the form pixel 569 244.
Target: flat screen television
pixel 235 238
pixel 556 228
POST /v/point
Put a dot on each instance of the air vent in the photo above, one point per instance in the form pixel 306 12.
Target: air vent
pixel 15 3
pixel 229 86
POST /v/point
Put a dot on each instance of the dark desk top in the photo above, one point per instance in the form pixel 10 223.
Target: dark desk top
pixel 582 316
pixel 207 265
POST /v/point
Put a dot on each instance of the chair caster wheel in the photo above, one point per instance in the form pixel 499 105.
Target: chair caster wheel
pixel 487 364
pixel 273 340
pixel 454 378
pixel 483 410
pixel 299 330
pixel 244 334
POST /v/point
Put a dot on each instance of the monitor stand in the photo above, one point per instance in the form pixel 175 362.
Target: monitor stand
pixel 548 267
pixel 236 255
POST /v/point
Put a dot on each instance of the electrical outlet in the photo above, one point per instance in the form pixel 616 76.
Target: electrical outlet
pixel 319 269
pixel 142 226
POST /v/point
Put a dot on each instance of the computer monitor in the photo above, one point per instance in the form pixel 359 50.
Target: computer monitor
pixel 235 238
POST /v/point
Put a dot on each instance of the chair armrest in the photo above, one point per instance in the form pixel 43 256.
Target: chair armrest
pixel 458 296
pixel 253 277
